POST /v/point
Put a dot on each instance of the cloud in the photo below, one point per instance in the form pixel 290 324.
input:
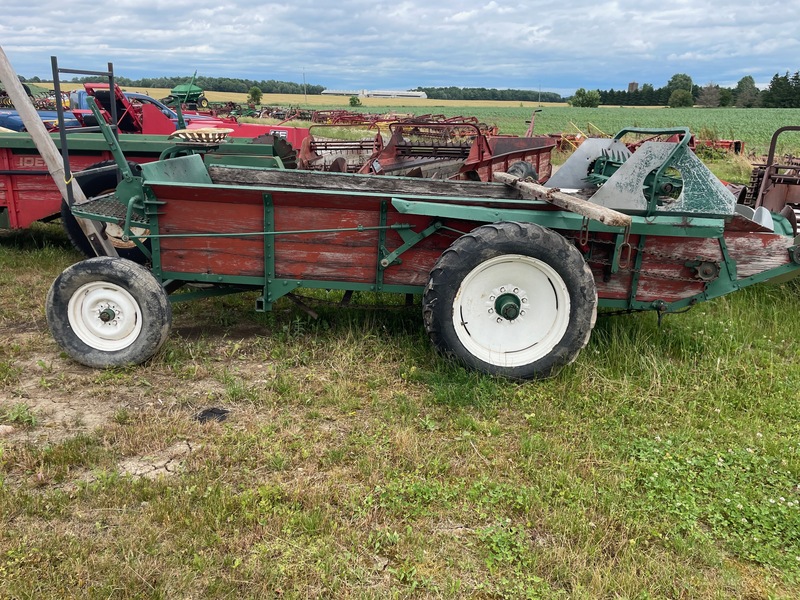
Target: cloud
pixel 372 44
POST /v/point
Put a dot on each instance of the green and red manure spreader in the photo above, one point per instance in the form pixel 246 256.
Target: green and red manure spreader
pixel 511 272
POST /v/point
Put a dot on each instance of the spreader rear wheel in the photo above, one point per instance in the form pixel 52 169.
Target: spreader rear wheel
pixel 511 299
pixel 108 312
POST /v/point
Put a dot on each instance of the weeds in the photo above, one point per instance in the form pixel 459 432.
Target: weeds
pixel 19 414
pixel 9 374
pixel 746 496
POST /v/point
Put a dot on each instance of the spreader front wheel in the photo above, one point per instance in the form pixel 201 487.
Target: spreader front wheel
pixel 511 299
pixel 108 312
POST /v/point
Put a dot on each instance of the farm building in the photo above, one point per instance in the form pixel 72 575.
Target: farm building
pixel 376 93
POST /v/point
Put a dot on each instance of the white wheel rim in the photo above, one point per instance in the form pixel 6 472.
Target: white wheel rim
pixel 104 316
pixel 484 307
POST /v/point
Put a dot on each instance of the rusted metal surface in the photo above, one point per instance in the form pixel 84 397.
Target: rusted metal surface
pixel 492 154
pixel 775 184
pixel 320 152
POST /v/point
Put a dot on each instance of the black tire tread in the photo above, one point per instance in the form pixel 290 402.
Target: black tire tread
pixel 489 241
pixel 139 282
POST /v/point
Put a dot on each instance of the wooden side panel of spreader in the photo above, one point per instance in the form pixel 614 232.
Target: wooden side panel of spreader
pixel 349 255
pixel 334 236
pixel 192 211
pixel 668 265
pixel 342 243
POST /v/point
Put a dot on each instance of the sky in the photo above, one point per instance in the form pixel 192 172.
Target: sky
pixel 372 44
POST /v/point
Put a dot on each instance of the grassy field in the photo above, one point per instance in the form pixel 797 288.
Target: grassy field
pixel 355 462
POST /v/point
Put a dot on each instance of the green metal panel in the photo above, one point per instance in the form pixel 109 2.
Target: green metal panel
pixel 151 207
pixel 212 292
pixel 382 251
pixel 675 226
pixel 240 280
pixel 242 160
pixel 183 169
pixel 637 269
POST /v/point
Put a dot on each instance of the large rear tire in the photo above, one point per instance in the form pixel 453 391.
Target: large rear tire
pixel 511 299
pixel 108 312
pixel 97 184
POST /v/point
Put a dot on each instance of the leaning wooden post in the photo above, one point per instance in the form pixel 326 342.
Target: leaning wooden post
pixel 49 152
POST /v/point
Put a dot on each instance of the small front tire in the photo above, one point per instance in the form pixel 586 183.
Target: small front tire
pixel 108 312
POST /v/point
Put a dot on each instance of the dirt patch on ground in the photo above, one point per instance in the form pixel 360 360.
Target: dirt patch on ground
pixel 152 466
pixel 67 399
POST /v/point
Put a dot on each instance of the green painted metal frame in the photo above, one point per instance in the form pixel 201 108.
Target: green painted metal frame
pixel 663 225
pixel 674 226
pixel 274 288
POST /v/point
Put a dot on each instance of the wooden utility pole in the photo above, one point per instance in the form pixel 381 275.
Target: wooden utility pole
pixel 49 152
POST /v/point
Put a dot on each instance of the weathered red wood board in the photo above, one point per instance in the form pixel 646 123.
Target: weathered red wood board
pixel 349 256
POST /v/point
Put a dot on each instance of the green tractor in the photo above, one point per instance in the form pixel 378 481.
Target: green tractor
pixel 186 93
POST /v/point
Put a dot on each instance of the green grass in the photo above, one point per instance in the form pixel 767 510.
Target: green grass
pixel 18 414
pixel 357 463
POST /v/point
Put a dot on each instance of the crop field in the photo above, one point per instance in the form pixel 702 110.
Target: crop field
pixel 753 126
pixel 285 455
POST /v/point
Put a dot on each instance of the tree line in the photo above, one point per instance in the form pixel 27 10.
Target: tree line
pixel 214 84
pixel 481 93
pixel 783 92
pixel 243 86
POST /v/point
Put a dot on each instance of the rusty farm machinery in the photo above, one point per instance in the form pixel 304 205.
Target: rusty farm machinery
pixel 424 147
pixel 775 184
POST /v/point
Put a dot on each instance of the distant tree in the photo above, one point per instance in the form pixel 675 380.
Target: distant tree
pixel 725 97
pixel 709 96
pixel 254 95
pixel 779 93
pixel 648 94
pixel 582 98
pixel 681 98
pixel 680 81
pixel 455 93
pixel 746 92
pixel 354 101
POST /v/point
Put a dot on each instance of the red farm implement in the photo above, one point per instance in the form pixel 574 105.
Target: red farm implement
pixel 28 194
